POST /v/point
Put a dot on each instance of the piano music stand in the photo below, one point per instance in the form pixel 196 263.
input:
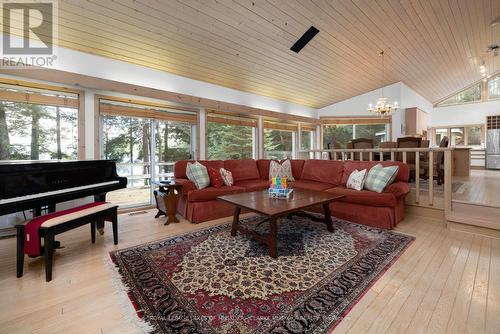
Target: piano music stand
pixel 167 198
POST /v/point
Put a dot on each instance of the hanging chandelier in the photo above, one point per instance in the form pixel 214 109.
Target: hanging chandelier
pixel 382 107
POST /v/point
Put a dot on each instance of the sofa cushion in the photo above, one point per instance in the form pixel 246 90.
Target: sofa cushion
pixel 350 166
pixel 253 185
pixel 242 169
pixel 215 177
pixel 297 167
pixel 365 197
pixel 281 169
pixel 324 171
pixel 398 189
pixel 263 167
pixel 310 185
pixel 198 174
pixel 380 177
pixel 211 193
pixel 180 166
pixel 356 179
pixel 227 177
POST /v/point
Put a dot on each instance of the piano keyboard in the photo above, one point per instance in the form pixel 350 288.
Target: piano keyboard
pixel 55 192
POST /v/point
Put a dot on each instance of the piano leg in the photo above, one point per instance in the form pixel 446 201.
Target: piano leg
pixel 100 224
pixel 49 250
pixel 20 250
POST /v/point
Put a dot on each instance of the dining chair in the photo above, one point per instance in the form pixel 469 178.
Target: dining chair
pixel 360 143
pixel 333 145
pixel 438 164
pixel 409 142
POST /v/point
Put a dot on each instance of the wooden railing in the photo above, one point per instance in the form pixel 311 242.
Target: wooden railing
pixel 390 154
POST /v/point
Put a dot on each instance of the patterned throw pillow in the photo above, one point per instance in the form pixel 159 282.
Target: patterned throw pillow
pixel 280 170
pixel 215 178
pixel 198 174
pixel 227 177
pixel 380 177
pixel 356 179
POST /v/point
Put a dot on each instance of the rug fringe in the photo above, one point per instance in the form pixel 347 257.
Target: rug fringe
pixel 121 291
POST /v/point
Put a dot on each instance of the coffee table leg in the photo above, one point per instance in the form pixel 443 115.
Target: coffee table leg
pixel 273 238
pixel 236 219
pixel 328 217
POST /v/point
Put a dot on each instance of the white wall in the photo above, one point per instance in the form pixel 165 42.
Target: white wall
pixel 472 113
pixel 357 106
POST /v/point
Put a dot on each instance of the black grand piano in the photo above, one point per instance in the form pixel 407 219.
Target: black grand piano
pixel 33 185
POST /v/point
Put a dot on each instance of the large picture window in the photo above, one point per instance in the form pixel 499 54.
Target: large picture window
pixel 230 137
pixel 279 140
pixel 343 133
pixel 145 148
pixel 38 124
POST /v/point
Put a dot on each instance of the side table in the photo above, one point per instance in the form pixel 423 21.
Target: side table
pixel 167 198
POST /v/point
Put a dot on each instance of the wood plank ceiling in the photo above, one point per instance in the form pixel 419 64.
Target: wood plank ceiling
pixel 434 46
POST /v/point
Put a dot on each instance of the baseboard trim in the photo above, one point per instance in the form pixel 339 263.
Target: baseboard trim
pixel 484 231
pixel 425 211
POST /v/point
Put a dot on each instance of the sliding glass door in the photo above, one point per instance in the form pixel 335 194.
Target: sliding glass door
pixel 145 149
pixel 128 141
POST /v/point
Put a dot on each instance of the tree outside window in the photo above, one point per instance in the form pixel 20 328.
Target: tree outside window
pixel 278 144
pixel 228 141
pixel 37 132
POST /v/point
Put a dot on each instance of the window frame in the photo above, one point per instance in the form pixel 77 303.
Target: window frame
pixel 466 128
pixel 80 106
pixel 374 120
pixel 152 116
pixel 481 96
pixel 237 119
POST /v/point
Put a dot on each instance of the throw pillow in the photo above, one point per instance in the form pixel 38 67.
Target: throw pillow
pixel 215 178
pixel 380 177
pixel 227 177
pixel 356 179
pixel 281 170
pixel 198 173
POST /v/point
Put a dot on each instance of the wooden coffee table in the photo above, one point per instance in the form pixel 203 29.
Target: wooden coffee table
pixel 273 208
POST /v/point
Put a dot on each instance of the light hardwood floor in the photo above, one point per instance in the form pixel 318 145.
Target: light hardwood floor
pixel 446 281
pixel 481 187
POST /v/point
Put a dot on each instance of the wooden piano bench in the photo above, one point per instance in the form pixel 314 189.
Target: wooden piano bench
pixel 59 222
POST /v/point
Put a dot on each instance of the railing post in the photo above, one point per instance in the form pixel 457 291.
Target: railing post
pixel 371 156
pixel 392 155
pixel 447 183
pixel 404 157
pixel 431 178
pixel 352 155
pixel 417 176
pixel 381 156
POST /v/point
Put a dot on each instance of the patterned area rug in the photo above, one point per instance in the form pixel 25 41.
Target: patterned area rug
pixel 209 282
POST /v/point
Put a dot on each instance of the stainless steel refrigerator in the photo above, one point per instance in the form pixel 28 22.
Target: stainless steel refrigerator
pixel 493 142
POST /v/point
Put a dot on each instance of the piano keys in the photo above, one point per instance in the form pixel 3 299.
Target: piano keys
pixel 31 185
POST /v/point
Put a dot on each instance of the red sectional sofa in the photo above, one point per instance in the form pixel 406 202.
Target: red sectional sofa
pixel 383 210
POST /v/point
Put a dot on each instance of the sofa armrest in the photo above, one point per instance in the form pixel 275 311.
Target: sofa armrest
pixel 398 189
pixel 186 184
